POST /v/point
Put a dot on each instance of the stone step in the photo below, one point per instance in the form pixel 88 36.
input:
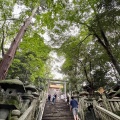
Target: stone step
pixel 58 111
pixel 57 118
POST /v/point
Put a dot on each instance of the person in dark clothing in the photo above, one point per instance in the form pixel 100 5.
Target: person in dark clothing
pixel 55 95
pixel 74 108
pixel 49 98
pixel 67 100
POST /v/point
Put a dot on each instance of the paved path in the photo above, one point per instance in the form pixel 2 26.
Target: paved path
pixel 59 111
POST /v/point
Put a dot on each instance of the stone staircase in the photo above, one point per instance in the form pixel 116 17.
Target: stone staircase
pixel 58 111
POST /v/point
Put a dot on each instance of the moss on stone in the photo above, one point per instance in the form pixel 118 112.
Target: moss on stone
pixel 11 81
pixel 12 100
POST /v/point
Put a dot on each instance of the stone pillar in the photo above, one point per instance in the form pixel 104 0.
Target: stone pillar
pixel 106 102
pixel 48 90
pixel 70 89
pixel 15 114
pixel 65 89
pixel 70 92
pixel 4 114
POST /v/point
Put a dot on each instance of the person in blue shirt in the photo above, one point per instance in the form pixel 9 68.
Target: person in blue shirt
pixel 53 99
pixel 74 108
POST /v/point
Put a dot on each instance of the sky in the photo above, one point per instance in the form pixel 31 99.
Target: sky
pixel 56 64
pixel 57 61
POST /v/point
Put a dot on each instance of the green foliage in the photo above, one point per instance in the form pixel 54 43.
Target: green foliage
pixel 92 17
pixel 47 19
pixel 100 80
pixel 30 60
pixel 83 52
pixel 13 101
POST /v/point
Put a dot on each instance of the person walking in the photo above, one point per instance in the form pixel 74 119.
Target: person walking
pixel 67 99
pixel 74 108
pixel 55 95
pixel 49 98
pixel 53 99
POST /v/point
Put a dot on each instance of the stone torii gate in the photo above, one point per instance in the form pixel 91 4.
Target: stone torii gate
pixel 58 81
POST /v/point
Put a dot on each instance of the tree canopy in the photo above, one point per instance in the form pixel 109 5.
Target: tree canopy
pixel 85 32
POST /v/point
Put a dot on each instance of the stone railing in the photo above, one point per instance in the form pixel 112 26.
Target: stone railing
pixel 83 105
pixel 41 107
pixel 81 108
pixel 114 104
pixel 29 113
pixel 100 109
pixel 107 109
pixel 103 108
pixel 87 103
pixel 104 114
pixel 19 101
pixel 35 111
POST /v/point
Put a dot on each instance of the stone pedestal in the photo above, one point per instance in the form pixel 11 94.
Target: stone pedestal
pixel 4 114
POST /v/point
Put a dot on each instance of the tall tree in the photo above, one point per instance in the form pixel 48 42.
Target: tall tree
pixel 8 57
pixel 100 18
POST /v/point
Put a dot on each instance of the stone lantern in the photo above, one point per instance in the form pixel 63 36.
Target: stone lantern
pixel 10 100
pixel 35 94
pixel 30 89
pixel 39 91
pixel 28 96
pixel 84 94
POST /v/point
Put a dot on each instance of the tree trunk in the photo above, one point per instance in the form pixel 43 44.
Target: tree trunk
pixel 3 38
pixel 8 57
pixel 106 45
pixel 107 48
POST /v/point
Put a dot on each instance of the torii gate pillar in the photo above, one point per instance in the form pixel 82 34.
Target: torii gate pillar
pixel 65 89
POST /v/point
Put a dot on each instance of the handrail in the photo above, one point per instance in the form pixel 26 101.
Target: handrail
pixel 81 111
pixel 100 112
pixel 114 104
pixel 81 108
pixel 41 108
pixel 35 111
pixel 114 100
pixel 28 113
pixel 105 114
